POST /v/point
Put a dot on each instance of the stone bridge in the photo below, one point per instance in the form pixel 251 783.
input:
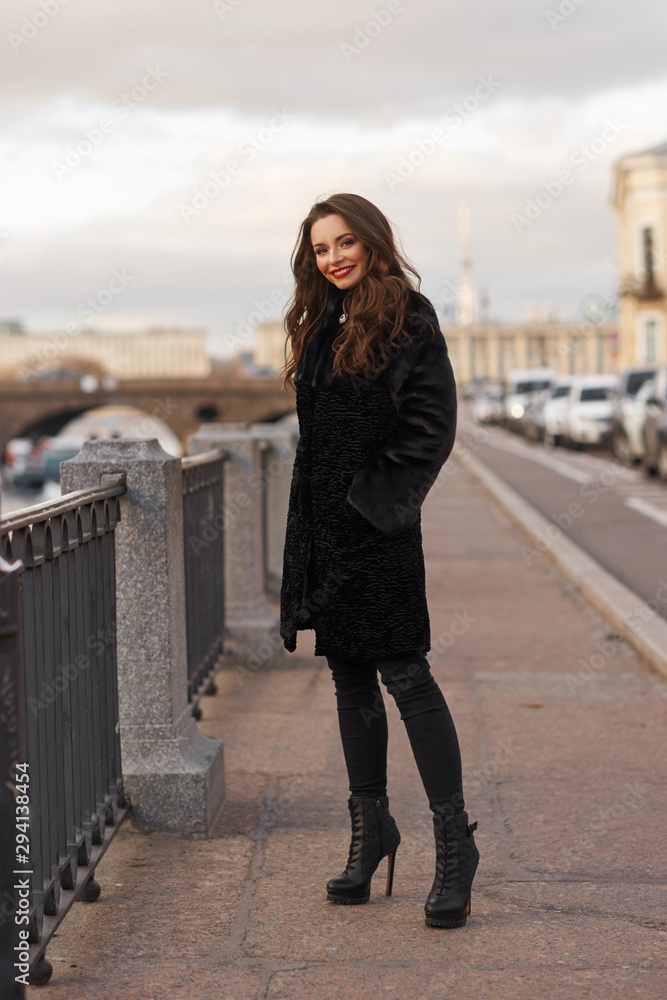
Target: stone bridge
pixel 46 406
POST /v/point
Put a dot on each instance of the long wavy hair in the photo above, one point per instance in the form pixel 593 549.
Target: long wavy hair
pixel 375 307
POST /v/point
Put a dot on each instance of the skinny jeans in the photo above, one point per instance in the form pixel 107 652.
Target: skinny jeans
pixel 362 720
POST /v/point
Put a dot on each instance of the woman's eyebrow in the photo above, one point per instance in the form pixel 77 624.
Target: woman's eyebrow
pixel 342 236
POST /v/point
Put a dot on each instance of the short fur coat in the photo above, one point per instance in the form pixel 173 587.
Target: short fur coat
pixel 370 448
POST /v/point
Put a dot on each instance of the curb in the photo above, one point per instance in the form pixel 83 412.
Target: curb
pixel 611 598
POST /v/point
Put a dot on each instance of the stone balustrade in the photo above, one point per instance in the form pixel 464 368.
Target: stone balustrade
pixel 173 775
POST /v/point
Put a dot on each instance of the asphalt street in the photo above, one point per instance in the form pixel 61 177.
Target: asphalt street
pixel 614 513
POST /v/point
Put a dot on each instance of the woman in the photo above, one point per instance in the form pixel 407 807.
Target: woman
pixel 376 404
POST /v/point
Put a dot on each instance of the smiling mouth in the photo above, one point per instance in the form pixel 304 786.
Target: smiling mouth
pixel 342 271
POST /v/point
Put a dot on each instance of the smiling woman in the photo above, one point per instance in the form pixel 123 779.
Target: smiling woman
pixel 346 239
pixel 373 438
pixel 341 257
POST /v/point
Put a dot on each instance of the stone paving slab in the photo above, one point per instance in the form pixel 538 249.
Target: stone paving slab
pixel 563 777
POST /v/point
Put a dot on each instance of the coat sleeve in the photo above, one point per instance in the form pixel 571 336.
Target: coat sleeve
pixel 389 490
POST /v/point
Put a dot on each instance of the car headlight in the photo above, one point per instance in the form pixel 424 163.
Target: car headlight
pixel 517 411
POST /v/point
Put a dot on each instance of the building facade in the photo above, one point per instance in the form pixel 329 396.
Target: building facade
pixel 269 349
pixel 640 199
pixel 490 351
pixel 580 348
pixel 143 355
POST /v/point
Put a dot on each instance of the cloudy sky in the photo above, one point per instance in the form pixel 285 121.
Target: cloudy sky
pixel 179 143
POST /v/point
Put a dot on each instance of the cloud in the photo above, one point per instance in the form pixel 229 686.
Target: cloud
pixel 260 51
pixel 358 114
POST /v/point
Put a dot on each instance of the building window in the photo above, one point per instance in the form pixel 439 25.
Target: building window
pixel 647 256
pixel 537 350
pixel 481 355
pixel 650 342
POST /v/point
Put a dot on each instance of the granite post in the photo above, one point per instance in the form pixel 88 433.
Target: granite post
pixel 280 440
pixel 173 774
pixel 253 624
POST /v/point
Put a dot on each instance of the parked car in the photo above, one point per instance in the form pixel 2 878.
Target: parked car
pixel 18 456
pixel 531 424
pixel 555 409
pixel 486 406
pixel 628 436
pixel 519 385
pixel 44 466
pixel 655 425
pixel 589 410
pixel 625 414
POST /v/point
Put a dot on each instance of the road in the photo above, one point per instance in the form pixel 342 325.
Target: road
pixel 615 513
pixel 9 500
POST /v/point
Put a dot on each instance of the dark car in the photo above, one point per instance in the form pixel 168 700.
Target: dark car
pixel 629 384
pixel 655 426
pixel 45 466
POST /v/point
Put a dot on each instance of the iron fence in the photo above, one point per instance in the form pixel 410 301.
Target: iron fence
pixel 272 576
pixel 69 742
pixel 204 558
pixel 12 943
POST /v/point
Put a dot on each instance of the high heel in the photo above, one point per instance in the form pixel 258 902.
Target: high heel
pixel 374 836
pixel 391 858
pixel 457 857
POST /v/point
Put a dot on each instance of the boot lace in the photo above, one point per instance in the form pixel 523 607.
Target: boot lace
pixel 356 841
pixel 451 856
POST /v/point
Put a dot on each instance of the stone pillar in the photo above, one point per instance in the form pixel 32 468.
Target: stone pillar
pixel 253 623
pixel 281 439
pixel 173 774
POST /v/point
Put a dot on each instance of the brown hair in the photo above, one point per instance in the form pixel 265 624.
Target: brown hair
pixel 375 307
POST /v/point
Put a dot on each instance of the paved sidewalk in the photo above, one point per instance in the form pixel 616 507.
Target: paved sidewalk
pixel 562 738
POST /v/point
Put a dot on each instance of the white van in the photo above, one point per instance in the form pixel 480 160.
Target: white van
pixel 519 385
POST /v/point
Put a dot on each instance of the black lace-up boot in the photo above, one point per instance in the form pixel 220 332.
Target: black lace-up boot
pixel 456 859
pixel 374 837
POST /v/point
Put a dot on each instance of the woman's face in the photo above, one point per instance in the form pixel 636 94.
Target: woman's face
pixel 340 256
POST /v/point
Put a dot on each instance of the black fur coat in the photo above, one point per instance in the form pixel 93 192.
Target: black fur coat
pixel 370 448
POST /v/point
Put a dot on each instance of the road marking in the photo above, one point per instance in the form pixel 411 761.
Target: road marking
pixel 648 510
pixel 562 468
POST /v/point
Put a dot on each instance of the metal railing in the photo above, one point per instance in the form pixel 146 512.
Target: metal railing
pixel 268 451
pixel 68 699
pixel 204 559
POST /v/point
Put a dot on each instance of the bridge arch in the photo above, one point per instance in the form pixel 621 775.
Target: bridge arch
pixel 106 421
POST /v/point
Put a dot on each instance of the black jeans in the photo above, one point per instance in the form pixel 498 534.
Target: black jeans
pixel 362 720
